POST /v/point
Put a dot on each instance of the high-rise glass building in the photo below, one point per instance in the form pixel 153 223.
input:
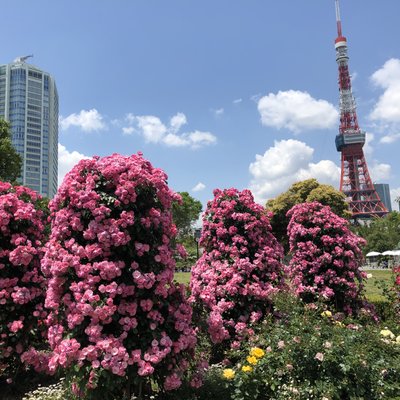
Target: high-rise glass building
pixel 29 101
pixel 383 191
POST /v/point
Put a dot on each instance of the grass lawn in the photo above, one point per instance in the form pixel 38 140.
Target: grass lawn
pixel 372 291
pixel 182 277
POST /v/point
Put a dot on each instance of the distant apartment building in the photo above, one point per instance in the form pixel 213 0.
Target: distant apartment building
pixel 383 191
pixel 29 101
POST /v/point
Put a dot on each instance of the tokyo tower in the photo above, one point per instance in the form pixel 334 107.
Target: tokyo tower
pixel 355 181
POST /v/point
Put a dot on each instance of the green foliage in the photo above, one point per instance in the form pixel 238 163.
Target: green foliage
pixel 213 388
pixel 309 355
pixel 382 233
pixel 184 214
pixel 10 160
pixel 185 264
pixel 304 192
pixel 328 195
pixel 372 291
pixel 391 292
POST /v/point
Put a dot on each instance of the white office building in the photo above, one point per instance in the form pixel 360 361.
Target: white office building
pixel 29 101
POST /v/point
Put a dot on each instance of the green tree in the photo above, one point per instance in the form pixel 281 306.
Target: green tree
pixel 185 214
pixel 304 192
pixel 382 233
pixel 10 160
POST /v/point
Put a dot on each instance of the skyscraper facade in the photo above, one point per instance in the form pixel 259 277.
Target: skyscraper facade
pixel 383 191
pixel 29 101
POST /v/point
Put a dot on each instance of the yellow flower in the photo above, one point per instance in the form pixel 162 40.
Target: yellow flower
pixel 257 352
pixel 252 360
pixel 326 314
pixel 247 368
pixel 339 323
pixel 398 339
pixel 228 373
pixel 387 333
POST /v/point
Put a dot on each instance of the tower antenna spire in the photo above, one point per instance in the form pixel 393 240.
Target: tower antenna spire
pixel 338 20
pixel 355 181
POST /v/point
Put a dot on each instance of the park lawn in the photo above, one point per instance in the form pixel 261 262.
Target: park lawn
pixel 182 277
pixel 373 293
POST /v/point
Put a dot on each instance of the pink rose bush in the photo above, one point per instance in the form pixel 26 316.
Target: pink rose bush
pixel 240 268
pixel 396 290
pixel 116 319
pixel 326 257
pixel 22 284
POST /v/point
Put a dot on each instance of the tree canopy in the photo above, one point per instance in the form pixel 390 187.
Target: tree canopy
pixel 304 192
pixel 382 233
pixel 186 213
pixel 10 160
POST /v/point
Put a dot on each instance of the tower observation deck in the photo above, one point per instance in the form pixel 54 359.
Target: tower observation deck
pixel 355 180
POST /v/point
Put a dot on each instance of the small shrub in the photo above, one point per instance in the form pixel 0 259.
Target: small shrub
pixel 396 290
pixel 391 292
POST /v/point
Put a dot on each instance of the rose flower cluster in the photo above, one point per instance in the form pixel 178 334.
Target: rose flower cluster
pixel 240 268
pixel 22 284
pixel 326 257
pixel 115 314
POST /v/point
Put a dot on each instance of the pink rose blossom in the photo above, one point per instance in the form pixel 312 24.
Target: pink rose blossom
pixel 114 307
pixel 240 269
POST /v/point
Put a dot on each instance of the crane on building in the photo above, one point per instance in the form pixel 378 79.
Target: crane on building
pixel 22 59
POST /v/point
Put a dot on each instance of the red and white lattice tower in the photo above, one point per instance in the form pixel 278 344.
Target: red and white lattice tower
pixel 355 181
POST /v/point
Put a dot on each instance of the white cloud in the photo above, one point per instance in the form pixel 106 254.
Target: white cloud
pixel 193 139
pixel 369 138
pixel 256 97
pixel 66 161
pixel 199 138
pixel 390 138
pixel 177 121
pixel 155 131
pixel 388 75
pixel 387 108
pixel 287 162
pixel 128 130
pixel 325 171
pixel 218 112
pixel 173 140
pixel 284 158
pixel 296 111
pixel 152 128
pixel 199 187
pixel 88 121
pixel 237 101
pixel 379 171
pixel 130 118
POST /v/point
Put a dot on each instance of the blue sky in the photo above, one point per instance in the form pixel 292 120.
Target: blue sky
pixel 222 93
